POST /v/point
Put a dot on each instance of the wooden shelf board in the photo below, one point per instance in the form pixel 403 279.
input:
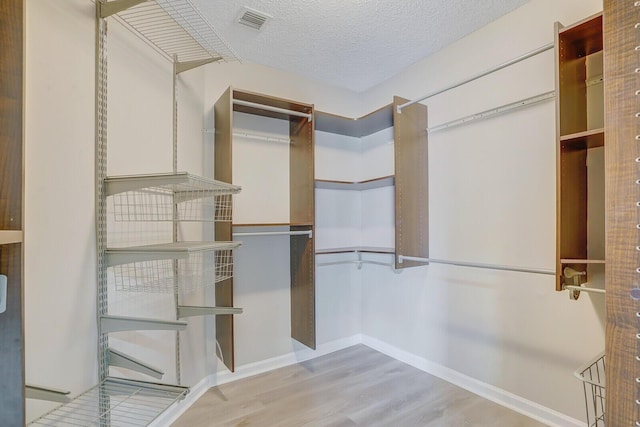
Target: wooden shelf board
pixel 358 127
pixel 582 261
pixel 355 249
pixel 269 101
pixel 385 181
pixel 584 140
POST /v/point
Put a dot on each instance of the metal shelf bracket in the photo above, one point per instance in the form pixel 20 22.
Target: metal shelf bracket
pixel 106 9
pixel 111 324
pixel 123 360
pixel 191 311
pixel 46 393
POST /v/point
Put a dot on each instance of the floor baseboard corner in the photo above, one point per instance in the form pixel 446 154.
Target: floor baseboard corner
pixel 502 397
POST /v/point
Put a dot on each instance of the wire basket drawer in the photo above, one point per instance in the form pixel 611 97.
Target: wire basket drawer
pixel 183 266
pixel 169 197
pixel 592 376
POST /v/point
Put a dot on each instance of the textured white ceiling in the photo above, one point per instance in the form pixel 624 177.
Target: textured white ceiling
pixel 354 44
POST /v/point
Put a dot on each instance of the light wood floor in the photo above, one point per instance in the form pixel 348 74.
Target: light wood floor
pixel 352 387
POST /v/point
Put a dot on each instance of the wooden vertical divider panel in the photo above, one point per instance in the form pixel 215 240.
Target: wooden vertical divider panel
pixel 12 405
pixel 302 213
pixel 223 118
pixel 411 182
pixel 622 214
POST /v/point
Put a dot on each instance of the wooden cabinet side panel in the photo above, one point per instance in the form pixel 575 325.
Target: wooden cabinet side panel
pixel 223 119
pixel 11 113
pixel 412 182
pixel 622 194
pixel 301 172
pixel 303 301
pixel 12 406
pixel 302 213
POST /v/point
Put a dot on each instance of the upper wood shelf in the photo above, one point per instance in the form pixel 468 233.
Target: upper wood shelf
pixel 385 181
pixel 261 104
pixel 582 261
pixel 355 127
pixel 588 139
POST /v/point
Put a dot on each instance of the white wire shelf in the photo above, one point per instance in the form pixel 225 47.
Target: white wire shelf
pixel 153 197
pixel 116 403
pixel 152 269
pixel 176 28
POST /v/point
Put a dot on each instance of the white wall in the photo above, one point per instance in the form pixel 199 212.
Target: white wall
pixel 492 200
pixel 59 259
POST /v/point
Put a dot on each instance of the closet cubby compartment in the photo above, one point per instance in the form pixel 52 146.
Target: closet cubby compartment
pixel 393 155
pixel 294 174
pixel 580 151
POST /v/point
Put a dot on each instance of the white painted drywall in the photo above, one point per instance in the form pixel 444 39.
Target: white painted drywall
pixel 492 200
pixel 60 256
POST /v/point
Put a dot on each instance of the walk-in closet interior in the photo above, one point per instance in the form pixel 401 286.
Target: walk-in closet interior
pixel 188 206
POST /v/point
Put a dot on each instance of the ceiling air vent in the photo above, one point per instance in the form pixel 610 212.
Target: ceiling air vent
pixel 253 18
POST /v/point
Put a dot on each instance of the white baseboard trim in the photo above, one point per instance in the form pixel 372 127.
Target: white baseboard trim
pixel 169 416
pixel 177 409
pixel 487 391
pixel 502 397
pixel 294 357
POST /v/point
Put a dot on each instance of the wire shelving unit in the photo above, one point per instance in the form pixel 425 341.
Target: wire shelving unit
pixel 115 402
pixel 179 32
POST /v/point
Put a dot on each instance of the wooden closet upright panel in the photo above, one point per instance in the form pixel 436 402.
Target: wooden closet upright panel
pixel 223 112
pixel 412 182
pixel 621 81
pixel 12 407
pixel 302 209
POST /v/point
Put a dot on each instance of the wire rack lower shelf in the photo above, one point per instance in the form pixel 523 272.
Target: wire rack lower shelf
pixel 115 403
pixel 152 268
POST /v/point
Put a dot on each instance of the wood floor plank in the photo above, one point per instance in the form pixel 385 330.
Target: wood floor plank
pixel 356 386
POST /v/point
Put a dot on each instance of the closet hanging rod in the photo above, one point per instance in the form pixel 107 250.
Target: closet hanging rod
pixel 359 264
pixel 254 136
pixel 261 137
pixel 477 76
pixel 576 288
pixel 402 258
pixel 503 109
pixel 309 116
pixel 275 233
